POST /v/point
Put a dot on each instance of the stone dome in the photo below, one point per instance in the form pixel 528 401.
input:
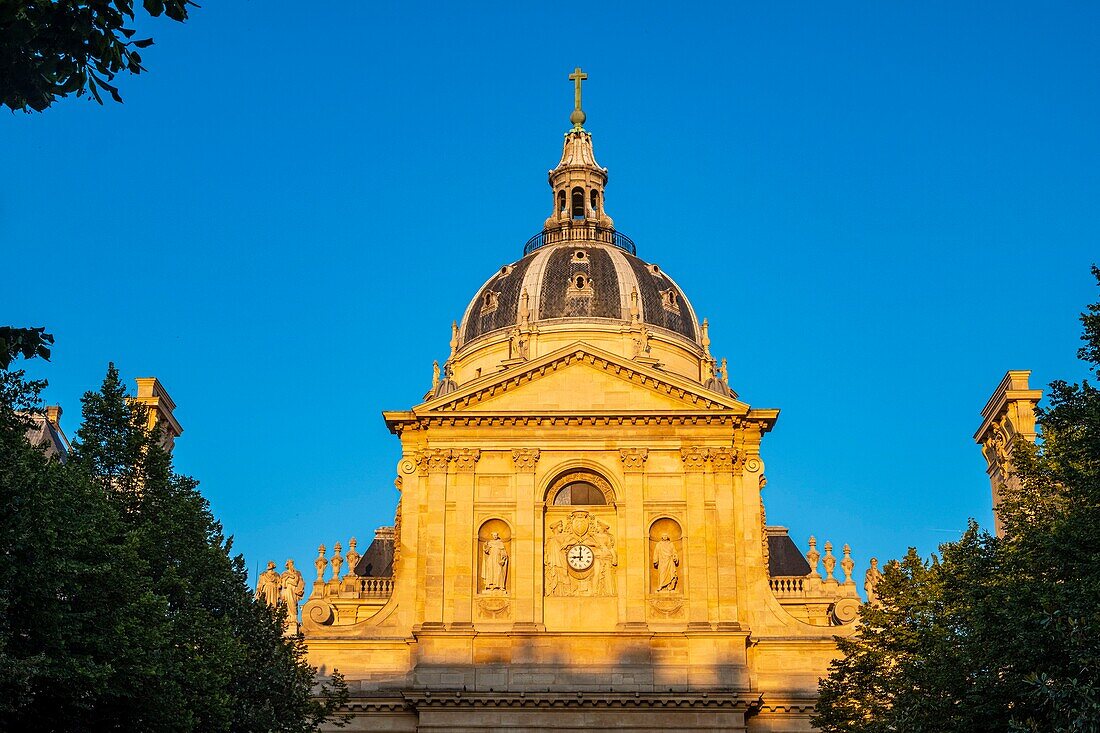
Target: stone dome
pixel 582 280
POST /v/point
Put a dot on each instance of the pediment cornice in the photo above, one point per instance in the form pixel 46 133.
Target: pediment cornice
pixel 698 404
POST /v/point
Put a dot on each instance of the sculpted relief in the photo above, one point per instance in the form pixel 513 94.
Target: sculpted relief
pixel 580 557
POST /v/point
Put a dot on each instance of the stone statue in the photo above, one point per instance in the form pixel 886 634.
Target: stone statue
pixel 291 588
pixel 494 566
pixel 603 566
pixel 267 585
pixel 871 580
pixel 554 560
pixel 667 563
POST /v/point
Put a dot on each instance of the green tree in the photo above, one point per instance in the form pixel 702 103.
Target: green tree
pixel 122 606
pixel 53 48
pixel 995 634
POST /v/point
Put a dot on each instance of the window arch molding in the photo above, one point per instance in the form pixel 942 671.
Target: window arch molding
pixel 580 476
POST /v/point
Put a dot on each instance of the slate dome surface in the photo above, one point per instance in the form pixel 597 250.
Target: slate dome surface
pixel 579 281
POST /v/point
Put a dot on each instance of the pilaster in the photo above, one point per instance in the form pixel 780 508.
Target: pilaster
pixel 636 536
pixel 527 540
pixel 695 537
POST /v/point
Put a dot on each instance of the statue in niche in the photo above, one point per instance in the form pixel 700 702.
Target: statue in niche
pixel 557 578
pixel 494 566
pixel 667 563
pixel 291 588
pixel 267 585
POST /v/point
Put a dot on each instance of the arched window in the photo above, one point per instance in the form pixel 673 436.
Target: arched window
pixel 579 493
pixel 561 201
pixel 595 201
pixel 578 203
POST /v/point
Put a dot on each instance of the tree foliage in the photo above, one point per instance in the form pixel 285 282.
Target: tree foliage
pixel 25 342
pixel 54 48
pixel 995 634
pixel 122 606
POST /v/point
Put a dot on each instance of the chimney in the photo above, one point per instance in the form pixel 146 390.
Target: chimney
pixel 154 396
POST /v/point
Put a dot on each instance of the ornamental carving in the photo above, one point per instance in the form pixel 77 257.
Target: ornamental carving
pixel 465 459
pixel 723 458
pixel 433 460
pixel 695 459
pixel 525 459
pixel 580 557
pixel 633 459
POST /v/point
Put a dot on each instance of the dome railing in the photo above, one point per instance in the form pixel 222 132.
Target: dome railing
pixel 584 233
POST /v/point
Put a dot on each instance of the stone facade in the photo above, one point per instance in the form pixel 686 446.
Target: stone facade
pixel 580 542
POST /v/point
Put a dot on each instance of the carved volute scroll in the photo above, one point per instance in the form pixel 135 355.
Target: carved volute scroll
pixel 666 561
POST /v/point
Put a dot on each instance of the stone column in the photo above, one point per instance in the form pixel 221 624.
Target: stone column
pixel 462 569
pixel 695 461
pixel 526 583
pixel 635 534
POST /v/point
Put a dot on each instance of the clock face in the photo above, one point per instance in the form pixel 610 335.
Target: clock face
pixel 580 557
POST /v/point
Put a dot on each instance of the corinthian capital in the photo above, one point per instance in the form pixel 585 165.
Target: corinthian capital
pixel 525 459
pixel 465 459
pixel 694 458
pixel 633 459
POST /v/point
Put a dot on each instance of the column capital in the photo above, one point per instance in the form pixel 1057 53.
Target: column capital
pixel 525 459
pixel 465 459
pixel 432 460
pixel 633 459
pixel 695 458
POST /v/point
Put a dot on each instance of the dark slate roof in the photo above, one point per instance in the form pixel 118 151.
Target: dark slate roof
pixel 377 560
pixel 43 433
pixel 549 281
pixel 784 557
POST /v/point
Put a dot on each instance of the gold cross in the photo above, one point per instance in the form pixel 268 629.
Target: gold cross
pixel 577 76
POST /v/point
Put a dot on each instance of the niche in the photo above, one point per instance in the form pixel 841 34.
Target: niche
pixel 666 557
pixel 493 558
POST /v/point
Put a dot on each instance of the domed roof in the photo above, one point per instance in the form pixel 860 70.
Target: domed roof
pixel 581 280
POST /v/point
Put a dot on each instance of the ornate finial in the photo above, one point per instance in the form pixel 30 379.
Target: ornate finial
pixel 725 371
pixel 353 558
pixel 435 375
pixel 847 564
pixel 705 340
pixel 813 556
pixel 320 563
pixel 635 313
pixel 578 117
pixel 454 337
pixel 829 561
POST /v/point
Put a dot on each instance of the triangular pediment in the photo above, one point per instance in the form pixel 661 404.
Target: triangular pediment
pixel 582 379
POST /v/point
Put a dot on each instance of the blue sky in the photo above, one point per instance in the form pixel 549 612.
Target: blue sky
pixel 880 207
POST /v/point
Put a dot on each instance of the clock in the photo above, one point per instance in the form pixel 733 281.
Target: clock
pixel 580 557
